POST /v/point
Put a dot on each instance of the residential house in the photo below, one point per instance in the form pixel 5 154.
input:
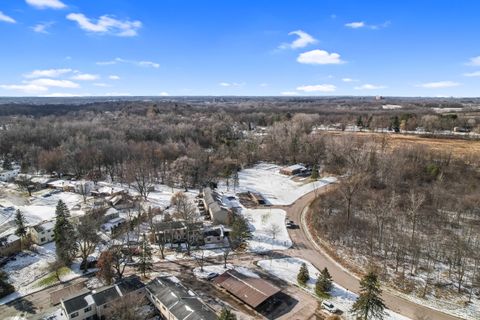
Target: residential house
pixel 293 170
pixel 113 224
pixel 42 233
pixel 175 301
pixel 218 212
pixel 214 235
pixel 9 245
pixel 62 185
pixel 97 304
pixel 179 231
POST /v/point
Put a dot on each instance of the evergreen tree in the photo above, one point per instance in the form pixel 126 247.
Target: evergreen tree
pixel 7 162
pixel 369 304
pixel 5 287
pixel 314 175
pixel 226 314
pixel 64 234
pixel 303 275
pixel 145 263
pixel 240 232
pixel 21 228
pixel 324 283
pixel 395 124
pixel 360 122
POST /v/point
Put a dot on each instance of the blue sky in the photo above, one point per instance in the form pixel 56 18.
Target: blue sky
pixel 220 47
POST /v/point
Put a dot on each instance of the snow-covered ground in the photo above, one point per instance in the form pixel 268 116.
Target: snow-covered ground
pixel 36 208
pixel 30 268
pixel 287 269
pixel 218 268
pixel 263 223
pixel 276 188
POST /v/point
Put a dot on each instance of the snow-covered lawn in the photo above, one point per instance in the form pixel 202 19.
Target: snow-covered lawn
pixel 26 272
pixel 276 188
pixel 287 269
pixel 218 268
pixel 263 223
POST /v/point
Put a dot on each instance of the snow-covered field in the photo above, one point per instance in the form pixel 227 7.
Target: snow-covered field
pixel 276 188
pixel 263 223
pixel 287 269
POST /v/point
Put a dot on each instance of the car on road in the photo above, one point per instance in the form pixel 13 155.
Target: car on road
pixel 330 307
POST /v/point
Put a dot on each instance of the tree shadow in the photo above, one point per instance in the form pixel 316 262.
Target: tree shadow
pixel 24 305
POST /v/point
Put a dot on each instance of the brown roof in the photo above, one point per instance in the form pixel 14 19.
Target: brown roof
pixel 67 292
pixel 252 291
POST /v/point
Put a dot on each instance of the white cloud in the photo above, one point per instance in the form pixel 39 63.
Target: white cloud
pixel 44 4
pixel 317 88
pixel 289 93
pixel 231 84
pixel 369 86
pixel 101 84
pixel 25 88
pixel 472 74
pixel 49 73
pixel 164 94
pixel 319 57
pixel 362 24
pixel 113 77
pixel 42 27
pixel 106 25
pixel 148 64
pixel 355 25
pixel 303 40
pixel 85 77
pixel 349 80
pixel 44 82
pixel 263 85
pixel 475 61
pixel 5 18
pixel 439 84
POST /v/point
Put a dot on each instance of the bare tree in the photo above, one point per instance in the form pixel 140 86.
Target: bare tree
pixel 88 237
pixel 186 210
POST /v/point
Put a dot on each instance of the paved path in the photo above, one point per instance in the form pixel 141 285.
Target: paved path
pixel 304 248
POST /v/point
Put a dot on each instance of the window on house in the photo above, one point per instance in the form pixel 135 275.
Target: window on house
pixel 88 309
pixel 42 239
pixel 105 306
pixel 73 315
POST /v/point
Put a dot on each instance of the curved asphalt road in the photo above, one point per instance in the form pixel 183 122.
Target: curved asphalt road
pixel 306 249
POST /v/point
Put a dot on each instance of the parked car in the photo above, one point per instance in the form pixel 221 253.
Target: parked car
pixel 330 307
pixel 211 275
pixel 290 224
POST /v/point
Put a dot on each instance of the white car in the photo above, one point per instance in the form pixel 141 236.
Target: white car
pixel 330 307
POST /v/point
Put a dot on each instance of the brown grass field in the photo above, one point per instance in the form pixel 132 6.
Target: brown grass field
pixel 455 147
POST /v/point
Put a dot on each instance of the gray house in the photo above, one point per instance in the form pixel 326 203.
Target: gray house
pixel 218 212
pixel 175 302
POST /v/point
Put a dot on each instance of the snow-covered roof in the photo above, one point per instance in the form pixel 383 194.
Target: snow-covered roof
pixel 9 239
pixel 47 225
pixel 295 167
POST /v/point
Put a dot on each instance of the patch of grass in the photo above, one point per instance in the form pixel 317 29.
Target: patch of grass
pixel 51 278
